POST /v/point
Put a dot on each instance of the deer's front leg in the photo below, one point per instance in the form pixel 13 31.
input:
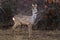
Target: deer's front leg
pixel 30 29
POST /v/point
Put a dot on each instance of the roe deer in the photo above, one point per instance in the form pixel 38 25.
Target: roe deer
pixel 28 20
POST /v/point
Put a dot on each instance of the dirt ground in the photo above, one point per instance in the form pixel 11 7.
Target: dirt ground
pixel 22 34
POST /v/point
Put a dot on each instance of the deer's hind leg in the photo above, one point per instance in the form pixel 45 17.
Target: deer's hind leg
pixel 15 25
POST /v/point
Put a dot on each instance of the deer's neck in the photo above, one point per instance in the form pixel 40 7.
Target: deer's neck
pixel 34 13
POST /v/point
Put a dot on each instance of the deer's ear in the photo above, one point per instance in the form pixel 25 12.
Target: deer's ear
pixel 33 5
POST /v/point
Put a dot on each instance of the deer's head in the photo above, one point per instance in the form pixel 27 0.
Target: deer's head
pixel 34 6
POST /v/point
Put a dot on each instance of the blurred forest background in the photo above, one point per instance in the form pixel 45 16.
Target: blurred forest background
pixel 50 10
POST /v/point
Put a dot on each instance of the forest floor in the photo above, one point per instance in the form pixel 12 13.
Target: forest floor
pixel 22 34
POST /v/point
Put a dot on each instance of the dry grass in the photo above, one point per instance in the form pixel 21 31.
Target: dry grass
pixel 22 34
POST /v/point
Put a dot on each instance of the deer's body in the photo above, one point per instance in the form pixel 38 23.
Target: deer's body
pixel 28 20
